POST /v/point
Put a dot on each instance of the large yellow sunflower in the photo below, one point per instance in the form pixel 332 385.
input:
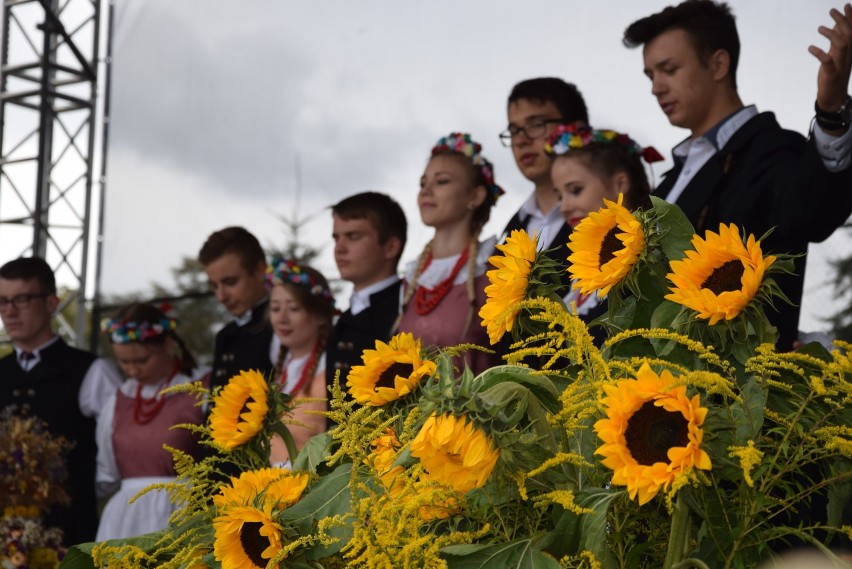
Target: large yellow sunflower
pixel 720 276
pixel 239 409
pixel 276 487
pixel 390 372
pixel 509 282
pixel 604 247
pixel 652 433
pixel 245 537
pixel 454 452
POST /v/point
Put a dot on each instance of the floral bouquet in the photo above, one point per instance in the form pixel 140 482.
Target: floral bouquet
pixel 32 475
pixel 683 440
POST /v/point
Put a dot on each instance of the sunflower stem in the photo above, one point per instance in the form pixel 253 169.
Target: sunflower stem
pixel 678 535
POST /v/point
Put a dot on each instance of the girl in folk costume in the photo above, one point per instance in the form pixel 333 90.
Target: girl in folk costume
pixel 301 308
pixel 590 166
pixel 444 288
pixel 137 420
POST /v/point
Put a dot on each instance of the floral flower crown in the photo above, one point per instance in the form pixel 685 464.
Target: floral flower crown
pixel 122 331
pixel 280 271
pixel 462 143
pixel 569 137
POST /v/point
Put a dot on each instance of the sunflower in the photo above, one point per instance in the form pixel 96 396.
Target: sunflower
pixel 720 276
pixel 390 372
pixel 246 537
pixel 276 487
pixel 382 458
pixel 604 247
pixel 509 282
pixel 454 452
pixel 652 433
pixel 239 410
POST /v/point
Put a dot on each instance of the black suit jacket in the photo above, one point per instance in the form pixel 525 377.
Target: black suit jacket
pixel 354 334
pixel 243 348
pixel 51 391
pixel 765 178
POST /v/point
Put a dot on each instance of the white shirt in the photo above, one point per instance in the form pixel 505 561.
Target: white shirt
pixel 295 367
pixel 360 300
pixel 546 226
pixel 836 152
pixel 101 379
pixel 107 468
pixel 440 269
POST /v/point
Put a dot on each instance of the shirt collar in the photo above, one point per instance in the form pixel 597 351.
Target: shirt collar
pixel 246 316
pixel 719 135
pixel 37 351
pixel 360 300
pixel 530 209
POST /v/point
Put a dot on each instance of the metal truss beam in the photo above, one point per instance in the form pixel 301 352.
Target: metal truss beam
pixel 50 116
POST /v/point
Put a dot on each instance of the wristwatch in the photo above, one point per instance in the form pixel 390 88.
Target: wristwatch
pixel 837 120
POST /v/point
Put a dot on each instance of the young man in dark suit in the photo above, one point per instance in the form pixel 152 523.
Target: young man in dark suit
pixel 61 385
pixel 235 265
pixel 535 108
pixel 738 165
pixel 369 231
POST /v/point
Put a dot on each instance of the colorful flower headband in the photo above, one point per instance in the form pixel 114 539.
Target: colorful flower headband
pixel 121 331
pixel 462 143
pixel 280 271
pixel 573 137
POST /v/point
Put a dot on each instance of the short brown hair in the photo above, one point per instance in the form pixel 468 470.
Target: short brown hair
pixel 233 240
pixel 30 268
pixel 381 210
pixel 709 25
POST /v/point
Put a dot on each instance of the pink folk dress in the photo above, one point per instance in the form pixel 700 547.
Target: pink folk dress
pixel 444 325
pixel 132 454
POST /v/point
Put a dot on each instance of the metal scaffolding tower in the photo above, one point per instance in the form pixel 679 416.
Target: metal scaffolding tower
pixel 51 119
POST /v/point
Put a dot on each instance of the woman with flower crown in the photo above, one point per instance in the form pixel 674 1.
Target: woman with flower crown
pixel 301 308
pixel 138 419
pixel 444 288
pixel 589 167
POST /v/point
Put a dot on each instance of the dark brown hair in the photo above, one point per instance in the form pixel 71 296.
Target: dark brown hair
pixel 709 25
pixel 381 210
pixel 30 268
pixel 233 240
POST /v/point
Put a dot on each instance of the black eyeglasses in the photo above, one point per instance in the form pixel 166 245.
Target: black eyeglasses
pixel 20 301
pixel 536 128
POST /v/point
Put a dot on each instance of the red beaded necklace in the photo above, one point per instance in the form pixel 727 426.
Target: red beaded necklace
pixel 426 299
pixel 146 408
pixel 307 371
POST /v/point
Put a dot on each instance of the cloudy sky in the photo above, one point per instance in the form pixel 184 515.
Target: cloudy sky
pixel 230 113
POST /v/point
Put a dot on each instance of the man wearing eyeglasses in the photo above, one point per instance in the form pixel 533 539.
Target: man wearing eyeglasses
pixel 535 108
pixel 63 386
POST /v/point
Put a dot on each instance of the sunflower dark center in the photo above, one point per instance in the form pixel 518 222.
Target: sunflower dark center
pixel 652 431
pixel 609 245
pixel 387 376
pixel 726 278
pixel 253 543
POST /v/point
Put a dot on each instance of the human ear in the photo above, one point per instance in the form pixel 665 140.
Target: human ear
pixel 51 303
pixel 620 184
pixel 392 247
pixel 720 64
pixel 478 197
